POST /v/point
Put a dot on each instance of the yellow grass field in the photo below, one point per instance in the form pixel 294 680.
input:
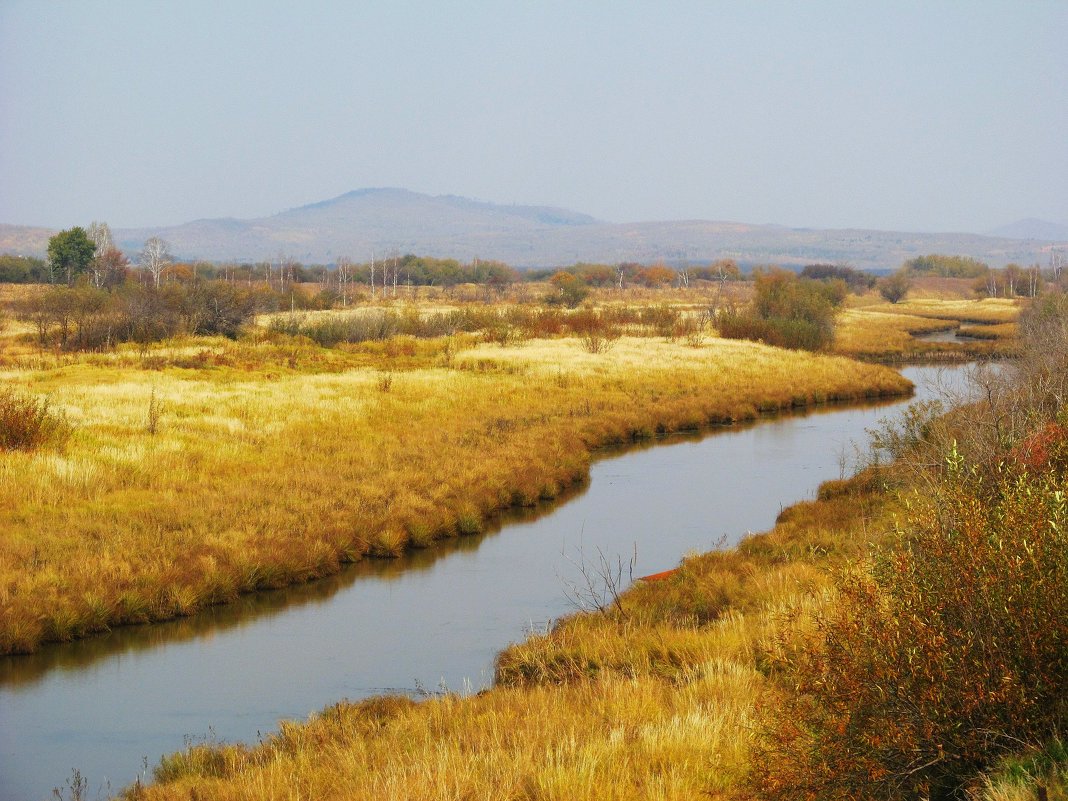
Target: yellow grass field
pixel 201 469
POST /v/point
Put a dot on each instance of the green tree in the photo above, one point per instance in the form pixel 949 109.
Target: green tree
pixel 22 270
pixel 69 254
pixel 947 266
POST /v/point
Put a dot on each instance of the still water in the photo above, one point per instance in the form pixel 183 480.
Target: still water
pixel 110 705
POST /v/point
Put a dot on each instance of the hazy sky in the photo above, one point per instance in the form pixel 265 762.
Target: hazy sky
pixel 895 115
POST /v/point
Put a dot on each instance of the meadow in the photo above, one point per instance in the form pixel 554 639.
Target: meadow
pixel 197 469
pixel 869 328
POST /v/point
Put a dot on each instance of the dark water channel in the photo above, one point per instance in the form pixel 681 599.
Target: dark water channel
pixel 435 618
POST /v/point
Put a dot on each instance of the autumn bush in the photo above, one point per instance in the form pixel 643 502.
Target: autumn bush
pixel 27 423
pixel 87 318
pixel 503 326
pixel 787 311
pixel 942 655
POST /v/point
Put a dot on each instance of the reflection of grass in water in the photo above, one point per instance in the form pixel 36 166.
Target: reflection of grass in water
pixel 22 669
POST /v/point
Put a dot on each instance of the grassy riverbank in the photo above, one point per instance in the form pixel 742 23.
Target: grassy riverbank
pixel 659 699
pixel 200 469
pixel 655 700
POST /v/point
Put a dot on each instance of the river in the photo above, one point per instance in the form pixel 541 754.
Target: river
pixel 111 705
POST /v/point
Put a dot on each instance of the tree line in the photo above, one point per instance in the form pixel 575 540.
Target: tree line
pixel 90 255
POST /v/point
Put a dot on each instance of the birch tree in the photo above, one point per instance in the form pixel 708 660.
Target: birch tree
pixel 100 235
pixel 155 256
pixel 344 278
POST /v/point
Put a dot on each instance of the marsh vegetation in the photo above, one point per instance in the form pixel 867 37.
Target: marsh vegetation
pixel 307 439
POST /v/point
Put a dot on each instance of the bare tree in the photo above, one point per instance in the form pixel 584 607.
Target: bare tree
pixel 106 254
pixel 100 233
pixel 344 278
pixel 1012 272
pixel 155 256
pixel 287 271
pixel 1034 280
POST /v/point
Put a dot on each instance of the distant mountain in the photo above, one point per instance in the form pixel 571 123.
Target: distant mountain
pixel 1031 228
pixel 387 221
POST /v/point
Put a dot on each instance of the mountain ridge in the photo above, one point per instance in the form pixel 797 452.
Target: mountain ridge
pixel 387 220
pixel 1032 228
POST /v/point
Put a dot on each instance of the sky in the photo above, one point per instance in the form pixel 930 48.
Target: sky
pixel 918 116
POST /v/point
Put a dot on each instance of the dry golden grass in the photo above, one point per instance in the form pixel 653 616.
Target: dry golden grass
pixel 657 702
pixel 887 332
pixel 612 739
pixel 279 443
pixel 985 311
pixel 201 469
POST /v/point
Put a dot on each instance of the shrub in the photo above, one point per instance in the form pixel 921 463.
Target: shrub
pixel 787 311
pixel 783 333
pixel 938 658
pixel 26 423
pixel 568 289
pixel 895 287
pixel 88 318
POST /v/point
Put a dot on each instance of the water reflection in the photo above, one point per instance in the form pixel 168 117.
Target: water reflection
pixel 24 669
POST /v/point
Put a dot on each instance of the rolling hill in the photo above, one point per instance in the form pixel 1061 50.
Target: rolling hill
pixel 388 221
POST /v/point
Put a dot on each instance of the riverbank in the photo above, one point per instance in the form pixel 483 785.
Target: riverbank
pixel 656 698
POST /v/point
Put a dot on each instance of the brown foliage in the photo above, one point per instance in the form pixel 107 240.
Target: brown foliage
pixel 27 423
pixel 949 650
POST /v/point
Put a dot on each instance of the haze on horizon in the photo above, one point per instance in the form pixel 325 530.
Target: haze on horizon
pixel 903 116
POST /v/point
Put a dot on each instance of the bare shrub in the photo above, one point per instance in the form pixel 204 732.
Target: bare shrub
pixel 599 341
pixel 27 423
pixel 600 585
